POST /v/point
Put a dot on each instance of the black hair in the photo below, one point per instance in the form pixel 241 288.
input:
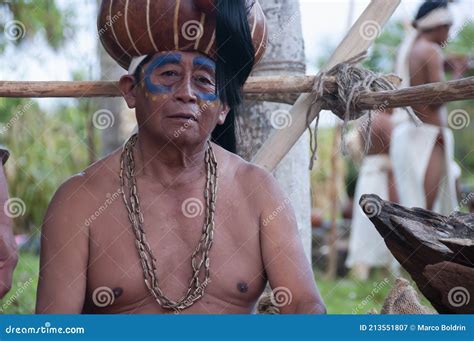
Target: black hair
pixel 429 6
pixel 234 63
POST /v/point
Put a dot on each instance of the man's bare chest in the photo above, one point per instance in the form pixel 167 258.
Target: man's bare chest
pixel 173 228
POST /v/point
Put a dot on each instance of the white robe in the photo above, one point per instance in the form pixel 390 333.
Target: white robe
pixel 410 153
pixel 366 245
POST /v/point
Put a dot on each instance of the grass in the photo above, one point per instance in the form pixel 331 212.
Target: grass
pixel 349 296
pixel 22 297
pixel 342 296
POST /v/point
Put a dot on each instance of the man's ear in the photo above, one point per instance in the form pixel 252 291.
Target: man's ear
pixel 223 111
pixel 127 88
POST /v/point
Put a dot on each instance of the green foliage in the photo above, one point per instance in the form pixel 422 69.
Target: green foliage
pixel 46 148
pixel 462 41
pixel 22 297
pixel 35 17
pixel 383 53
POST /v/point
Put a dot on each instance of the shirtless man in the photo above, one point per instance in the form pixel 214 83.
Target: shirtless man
pixel 89 262
pixel 425 64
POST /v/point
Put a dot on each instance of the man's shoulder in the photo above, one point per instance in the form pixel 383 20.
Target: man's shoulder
pixel 85 186
pixel 427 49
pixel 243 171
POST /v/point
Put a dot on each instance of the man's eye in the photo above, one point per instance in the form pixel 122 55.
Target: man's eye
pixel 169 73
pixel 204 80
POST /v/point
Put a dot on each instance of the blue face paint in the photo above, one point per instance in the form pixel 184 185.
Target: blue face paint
pixel 211 66
pixel 206 62
pixel 172 58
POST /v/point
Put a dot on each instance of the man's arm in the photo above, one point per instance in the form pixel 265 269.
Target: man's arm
pixel 8 248
pixel 64 252
pixel 288 270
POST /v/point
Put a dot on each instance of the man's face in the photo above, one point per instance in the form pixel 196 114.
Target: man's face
pixel 175 97
pixel 442 34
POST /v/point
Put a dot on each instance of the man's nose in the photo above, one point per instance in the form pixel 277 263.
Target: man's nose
pixel 184 91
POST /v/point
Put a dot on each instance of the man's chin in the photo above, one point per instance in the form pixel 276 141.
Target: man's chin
pixel 186 138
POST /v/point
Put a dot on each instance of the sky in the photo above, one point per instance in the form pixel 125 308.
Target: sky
pixel 324 23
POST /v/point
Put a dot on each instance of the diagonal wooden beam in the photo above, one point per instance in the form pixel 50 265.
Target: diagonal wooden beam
pixel 359 38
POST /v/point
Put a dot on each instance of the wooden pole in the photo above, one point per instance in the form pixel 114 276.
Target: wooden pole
pixel 359 38
pixel 331 270
pixel 272 89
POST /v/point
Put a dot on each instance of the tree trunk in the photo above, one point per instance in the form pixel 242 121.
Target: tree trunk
pixel 113 119
pixel 437 251
pixel 284 56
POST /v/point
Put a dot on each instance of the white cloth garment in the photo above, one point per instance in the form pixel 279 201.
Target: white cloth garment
pixel 410 153
pixel 366 245
pixel 411 145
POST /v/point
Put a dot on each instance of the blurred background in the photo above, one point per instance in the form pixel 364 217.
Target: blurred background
pixel 51 139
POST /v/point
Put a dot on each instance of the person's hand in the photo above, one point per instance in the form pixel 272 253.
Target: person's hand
pixel 458 64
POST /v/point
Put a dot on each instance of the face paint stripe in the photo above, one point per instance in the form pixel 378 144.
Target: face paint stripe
pixel 172 58
pixel 204 61
pixel 207 97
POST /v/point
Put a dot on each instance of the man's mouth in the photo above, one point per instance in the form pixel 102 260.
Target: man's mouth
pixel 184 116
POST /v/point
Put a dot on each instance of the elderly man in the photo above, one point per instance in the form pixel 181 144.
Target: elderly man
pixel 8 248
pixel 173 222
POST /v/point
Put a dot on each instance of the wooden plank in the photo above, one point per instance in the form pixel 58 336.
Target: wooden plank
pixel 359 38
pixel 272 89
